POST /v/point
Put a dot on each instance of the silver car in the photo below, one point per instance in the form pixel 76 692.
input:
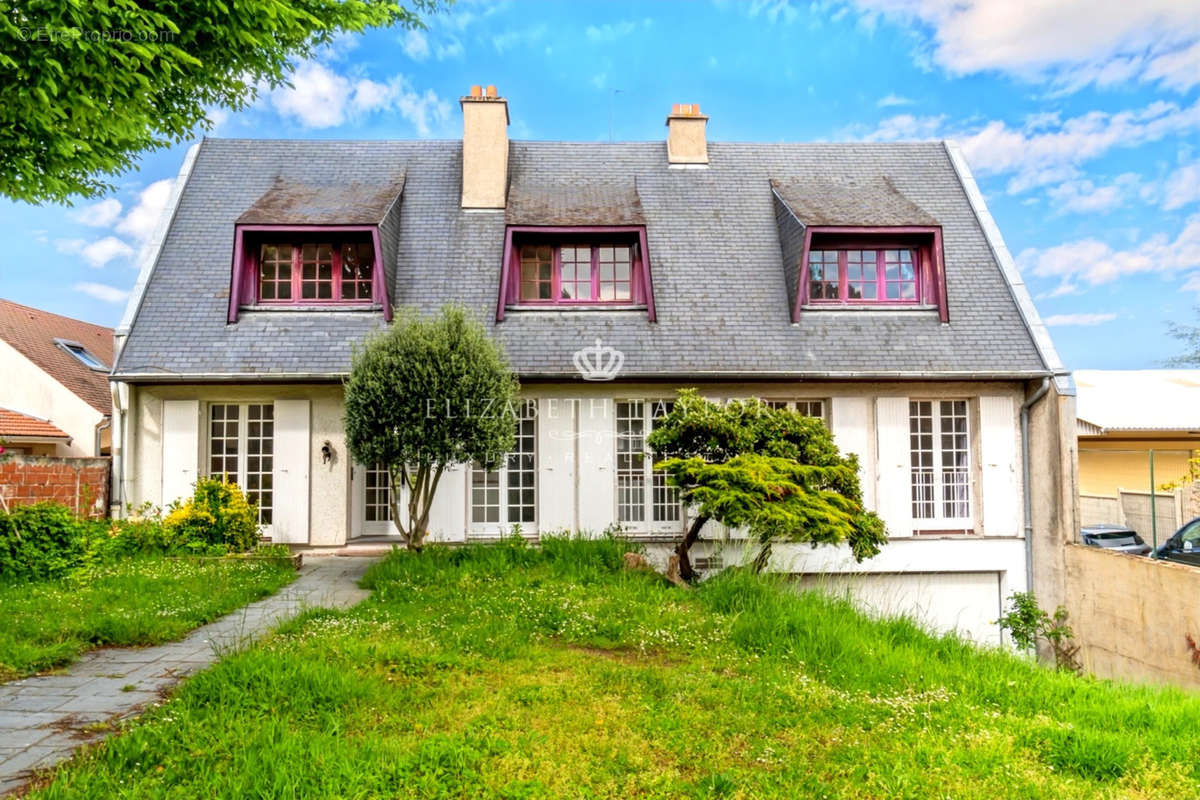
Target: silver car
pixel 1114 537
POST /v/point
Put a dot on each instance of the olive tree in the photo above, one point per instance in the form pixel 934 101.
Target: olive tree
pixel 423 395
pixel 773 472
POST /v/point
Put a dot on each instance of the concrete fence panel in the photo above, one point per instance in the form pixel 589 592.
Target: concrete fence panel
pixel 1136 506
pixel 1096 508
pixel 1133 616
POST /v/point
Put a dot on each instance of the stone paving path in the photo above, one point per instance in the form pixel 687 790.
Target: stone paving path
pixel 44 718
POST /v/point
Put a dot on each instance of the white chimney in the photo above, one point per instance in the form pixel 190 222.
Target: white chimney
pixel 485 149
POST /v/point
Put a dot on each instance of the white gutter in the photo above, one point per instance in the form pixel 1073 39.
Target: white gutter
pixel 1063 381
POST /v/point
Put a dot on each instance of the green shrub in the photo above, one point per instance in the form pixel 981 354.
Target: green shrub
pixel 217 515
pixel 41 542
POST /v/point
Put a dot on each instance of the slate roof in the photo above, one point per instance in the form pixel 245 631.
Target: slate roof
pixel 32 332
pixel 870 200
pixel 714 241
pixel 14 423
pixel 291 202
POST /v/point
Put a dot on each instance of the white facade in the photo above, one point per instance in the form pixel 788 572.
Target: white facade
pixel 952 569
pixel 27 388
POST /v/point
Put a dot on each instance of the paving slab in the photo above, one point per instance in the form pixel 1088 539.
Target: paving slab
pixel 41 718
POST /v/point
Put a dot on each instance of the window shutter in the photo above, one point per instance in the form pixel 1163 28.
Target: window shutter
pixel 596 489
pixel 998 448
pixel 556 464
pixel 291 448
pixel 849 421
pixel 894 466
pixel 451 505
pixel 180 448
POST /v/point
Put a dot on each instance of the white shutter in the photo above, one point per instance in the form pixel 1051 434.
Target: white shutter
pixel 894 466
pixel 180 448
pixel 290 503
pixel 850 424
pixel 998 448
pixel 448 513
pixel 597 483
pixel 556 464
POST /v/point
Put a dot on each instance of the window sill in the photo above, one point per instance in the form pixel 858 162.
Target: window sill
pixel 283 309
pixel 880 308
pixel 576 309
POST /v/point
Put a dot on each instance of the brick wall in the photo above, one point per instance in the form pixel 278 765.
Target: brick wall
pixel 78 483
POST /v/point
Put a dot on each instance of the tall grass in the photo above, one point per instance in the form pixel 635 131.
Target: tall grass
pixel 514 671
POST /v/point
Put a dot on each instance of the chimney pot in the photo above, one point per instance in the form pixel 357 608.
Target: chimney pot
pixel 476 91
pixel 686 138
pixel 491 91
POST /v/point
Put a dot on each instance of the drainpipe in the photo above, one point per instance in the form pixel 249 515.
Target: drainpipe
pixel 102 425
pixel 1025 471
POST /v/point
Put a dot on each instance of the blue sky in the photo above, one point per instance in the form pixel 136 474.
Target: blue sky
pixel 1081 122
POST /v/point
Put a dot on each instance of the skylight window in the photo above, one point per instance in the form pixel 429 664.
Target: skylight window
pixel 80 352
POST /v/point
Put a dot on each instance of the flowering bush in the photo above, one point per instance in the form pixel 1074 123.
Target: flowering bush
pixel 217 515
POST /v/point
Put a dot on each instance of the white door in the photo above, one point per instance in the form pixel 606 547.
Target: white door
pixel 180 448
pixel 291 498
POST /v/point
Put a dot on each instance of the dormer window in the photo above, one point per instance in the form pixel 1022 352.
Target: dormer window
pixel 571 268
pixel 84 355
pixel 309 268
pixel 865 268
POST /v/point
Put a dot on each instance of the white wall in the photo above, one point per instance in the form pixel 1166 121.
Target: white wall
pixel 26 388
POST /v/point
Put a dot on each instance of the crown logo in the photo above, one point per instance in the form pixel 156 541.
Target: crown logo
pixel 598 363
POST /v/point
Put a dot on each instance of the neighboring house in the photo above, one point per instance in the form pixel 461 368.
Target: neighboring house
pixel 54 396
pixel 862 283
pixel 1123 417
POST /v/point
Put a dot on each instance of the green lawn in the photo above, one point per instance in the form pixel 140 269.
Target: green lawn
pixel 134 601
pixel 510 672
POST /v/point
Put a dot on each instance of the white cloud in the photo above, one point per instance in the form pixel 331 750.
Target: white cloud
pixel 1044 149
pixel 893 99
pixel 142 219
pixel 452 48
pixel 1086 197
pixel 1070 42
pixel 98 215
pixel 775 11
pixel 1182 187
pixel 101 291
pixel 610 32
pixel 98 253
pixel 415 44
pixel 1060 320
pixel 1094 262
pixel 507 40
pixel 322 98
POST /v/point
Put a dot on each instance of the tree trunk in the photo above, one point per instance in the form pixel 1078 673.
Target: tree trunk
pixel 764 555
pixel 685 563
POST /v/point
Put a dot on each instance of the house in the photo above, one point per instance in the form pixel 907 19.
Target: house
pixel 1126 418
pixel 863 283
pixel 54 398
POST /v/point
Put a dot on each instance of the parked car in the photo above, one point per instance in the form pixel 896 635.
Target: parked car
pixel 1115 537
pixel 1184 545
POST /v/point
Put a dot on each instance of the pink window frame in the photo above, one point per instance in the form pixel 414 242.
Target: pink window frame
pixel 510 274
pixel 244 273
pixel 925 241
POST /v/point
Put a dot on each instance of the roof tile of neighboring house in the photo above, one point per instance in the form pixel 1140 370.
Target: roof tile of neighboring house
pixel 32 332
pixel 14 423
pixel 714 243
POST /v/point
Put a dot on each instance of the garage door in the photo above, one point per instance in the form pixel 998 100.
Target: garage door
pixel 966 602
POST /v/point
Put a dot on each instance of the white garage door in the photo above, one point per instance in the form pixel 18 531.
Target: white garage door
pixel 966 602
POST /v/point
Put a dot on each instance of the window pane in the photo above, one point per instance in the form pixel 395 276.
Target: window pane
pixel 861 275
pixel 665 501
pixel 275 272
pixel 823 275
pixel 262 466
pixel 521 467
pixel 223 441
pixel 920 426
pixel 614 264
pixel 900 275
pixel 631 474
pixel 316 272
pixel 357 263
pixel 536 267
pixel 379 494
pixel 576 279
